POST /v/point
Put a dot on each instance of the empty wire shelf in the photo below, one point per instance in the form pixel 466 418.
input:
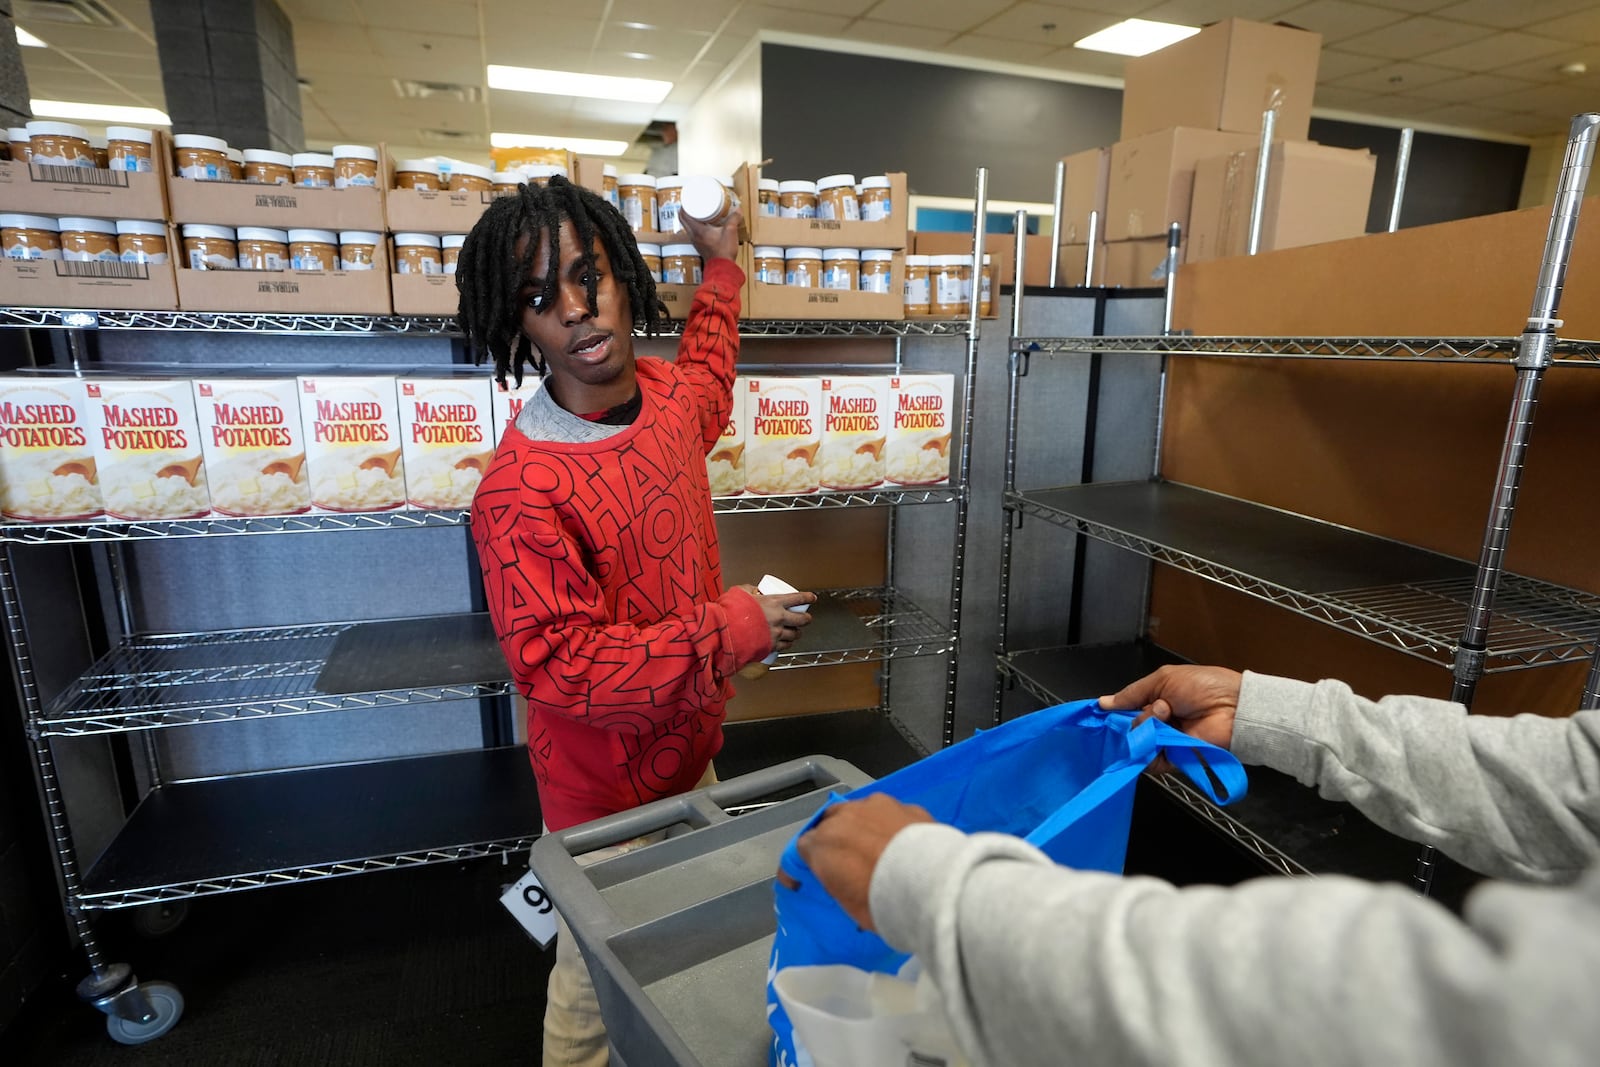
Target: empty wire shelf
pixel 1400 349
pixel 1397 595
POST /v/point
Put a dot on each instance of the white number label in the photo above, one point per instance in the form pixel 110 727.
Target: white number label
pixel 530 905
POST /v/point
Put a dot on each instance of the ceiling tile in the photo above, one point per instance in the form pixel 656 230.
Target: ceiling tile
pixel 118 66
pixel 1026 22
pixel 1397 78
pixel 893 33
pixel 1395 105
pixel 1548 68
pixel 1484 89
pixel 753 17
pixel 1201 12
pixel 1561 100
pixel 1335 64
pixel 970 44
pixel 1500 50
pixel 666 43
pixel 704 16
pixel 1338 19
pixel 1469 116
pixel 1415 7
pixel 1532 125
pixel 342 11
pixel 1584 26
pixel 423 50
pixel 837 8
pixel 118 40
pixel 726 46
pixel 956 15
pixel 1341 99
pixel 1510 14
pixel 454 18
pixel 1120 8
pixel 1414 37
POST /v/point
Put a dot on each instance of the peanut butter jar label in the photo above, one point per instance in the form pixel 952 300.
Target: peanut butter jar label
pixel 352 428
pixel 918 450
pixel 147 449
pixel 254 447
pixel 783 432
pixel 725 465
pixel 47 465
pixel 508 402
pixel 447 426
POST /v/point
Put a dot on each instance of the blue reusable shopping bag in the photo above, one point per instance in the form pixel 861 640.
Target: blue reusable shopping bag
pixel 1062 779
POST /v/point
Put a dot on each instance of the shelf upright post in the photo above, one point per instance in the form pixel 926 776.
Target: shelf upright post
pixel 969 400
pixel 885 675
pixel 1402 165
pixel 1018 367
pixel 1059 205
pixel 1088 259
pixel 1534 354
pixel 1258 202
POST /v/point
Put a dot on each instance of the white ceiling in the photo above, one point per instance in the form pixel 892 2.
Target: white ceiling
pixel 1489 66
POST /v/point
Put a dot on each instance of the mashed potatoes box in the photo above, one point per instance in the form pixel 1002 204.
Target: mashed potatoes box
pixel 783 431
pixel 47 465
pixel 352 428
pixel 725 464
pixel 447 430
pixel 918 446
pixel 855 420
pixel 507 402
pixel 147 450
pixel 254 445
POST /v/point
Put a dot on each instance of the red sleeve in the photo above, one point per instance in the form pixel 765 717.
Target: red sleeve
pixel 708 353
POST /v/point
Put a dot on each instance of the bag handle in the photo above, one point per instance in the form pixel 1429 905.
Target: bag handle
pixel 1193 757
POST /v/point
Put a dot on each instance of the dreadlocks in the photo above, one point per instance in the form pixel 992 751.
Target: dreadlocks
pixel 489 274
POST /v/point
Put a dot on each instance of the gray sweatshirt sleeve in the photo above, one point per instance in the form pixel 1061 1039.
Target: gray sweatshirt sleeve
pixel 1038 964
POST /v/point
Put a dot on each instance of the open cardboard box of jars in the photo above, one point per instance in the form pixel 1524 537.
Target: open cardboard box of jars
pixel 763 301
pixel 418 293
pixel 55 283
pixel 820 233
pixel 287 292
pixel 231 203
pixel 81 192
pixel 437 210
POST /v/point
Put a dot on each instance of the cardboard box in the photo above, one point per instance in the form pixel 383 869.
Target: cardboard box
pixel 1088 175
pixel 918 448
pixel 1135 264
pixel 725 463
pixel 254 447
pixel 279 206
pixel 507 402
pixel 1075 265
pixel 1314 194
pixel 1152 179
pixel 352 427
pixel 856 412
pixel 425 294
pixel 821 233
pixel 447 434
pixel 47 464
pixel 54 283
pixel 1224 78
pixel 425 210
pixel 98 194
pixel 787 302
pixel 146 446
pixel 783 431
pixel 293 292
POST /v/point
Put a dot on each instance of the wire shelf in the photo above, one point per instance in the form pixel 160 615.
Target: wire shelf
pixel 1396 349
pixel 1535 623
pixel 165 680
pixel 889 496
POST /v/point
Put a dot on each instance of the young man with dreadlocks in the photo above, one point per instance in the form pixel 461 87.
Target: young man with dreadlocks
pixel 594 523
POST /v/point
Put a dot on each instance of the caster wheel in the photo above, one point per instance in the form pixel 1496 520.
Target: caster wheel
pixel 165 1001
pixel 160 919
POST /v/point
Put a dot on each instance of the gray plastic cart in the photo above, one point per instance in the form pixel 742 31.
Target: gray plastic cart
pixel 677 934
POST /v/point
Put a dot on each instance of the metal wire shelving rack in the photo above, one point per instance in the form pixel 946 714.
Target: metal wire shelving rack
pixel 1471 617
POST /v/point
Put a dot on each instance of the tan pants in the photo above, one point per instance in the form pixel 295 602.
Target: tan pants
pixel 574 1033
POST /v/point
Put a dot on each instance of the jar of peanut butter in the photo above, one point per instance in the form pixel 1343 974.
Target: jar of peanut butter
pixel 210 247
pixel 265 167
pixel 767 197
pixel 102 152
pixel 797 200
pixel 506 182
pixel 313 249
pixel 201 159
pixel 358 249
pixel 355 166
pixel 450 250
pixel 21 147
pixel 840 266
pixel 417 253
pixel 707 200
pixel 877 269
pixel 60 144
pixel 638 193
pixel 417 174
pixel 651 254
pixel 919 295
pixel 950 281
pixel 608 186
pixel 130 148
pixel 263 248
pixel 836 198
pixel 139 241
pixel 88 240
pixel 313 170
pixel 471 178
pixel 30 237
pixel 680 265
pixel 540 173
pixel 876 199
pixel 769 264
pixel 986 287
pixel 235 164
pixel 669 194
pixel 802 267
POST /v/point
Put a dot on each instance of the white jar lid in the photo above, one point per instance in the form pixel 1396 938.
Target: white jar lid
pixel 986 259
pixel 646 180
pixel 650 250
pixel 767 185
pixel 507 177
pixel 802 253
pixel 16 133
pixel 833 181
pixel 359 237
pixel 918 261
pixel 829 254
pixel 195 140
pixel 472 170
pixel 29 222
pixel 355 151
pixel 264 233
pixel 702 196
pixel 543 170
pixel 670 181
pixel 313 159
pixel 425 240
pixel 417 166
pixel 263 155
pixel 313 237
pixel 57 129
pixel 876 181
pixel 200 229
pixel 680 250
pixel 874 255
pixel 608 171
pixel 797 186
pixel 950 261
pixel 964 260
pixel 768 252
pixel 452 240
pixel 235 155
pixel 141 227
pixel 83 225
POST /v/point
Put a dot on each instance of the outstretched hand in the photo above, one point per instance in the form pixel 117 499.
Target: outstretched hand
pixel 1200 701
pixel 714 240
pixel 843 849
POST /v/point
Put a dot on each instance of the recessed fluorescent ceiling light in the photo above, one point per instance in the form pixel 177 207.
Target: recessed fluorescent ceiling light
pixel 28 40
pixel 587 146
pixel 64 109
pixel 569 83
pixel 1136 37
